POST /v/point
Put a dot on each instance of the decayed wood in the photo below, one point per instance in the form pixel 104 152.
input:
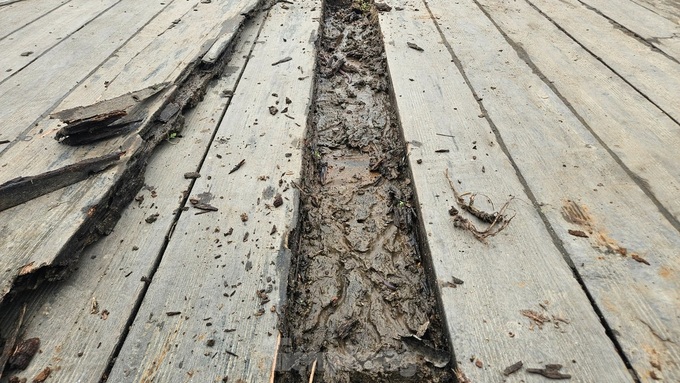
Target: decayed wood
pixel 656 76
pixel 655 29
pixel 217 263
pixel 33 93
pixel 642 137
pixel 81 320
pixel 10 342
pixel 22 189
pixel 578 186
pixel 518 269
pixel 49 249
pixel 27 44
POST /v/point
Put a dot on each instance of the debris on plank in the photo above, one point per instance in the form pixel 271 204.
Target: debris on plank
pixel 511 369
pixel 238 166
pixel 23 189
pixel 43 375
pixel 382 7
pixel 550 371
pixel 497 221
pixel 578 233
pixel 192 175
pixel 414 46
pixel 283 60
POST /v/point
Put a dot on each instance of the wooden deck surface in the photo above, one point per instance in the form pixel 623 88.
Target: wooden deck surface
pixel 567 109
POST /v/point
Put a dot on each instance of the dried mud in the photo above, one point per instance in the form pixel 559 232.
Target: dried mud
pixel 360 307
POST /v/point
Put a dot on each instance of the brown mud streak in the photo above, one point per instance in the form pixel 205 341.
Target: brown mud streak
pixel 357 284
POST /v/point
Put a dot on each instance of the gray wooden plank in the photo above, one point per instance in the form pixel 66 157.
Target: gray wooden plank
pixel 578 186
pixel 656 76
pixel 77 343
pixel 666 8
pixel 27 44
pixel 20 14
pixel 641 136
pixel 519 269
pixel 655 29
pixel 43 246
pixel 216 262
pixel 32 94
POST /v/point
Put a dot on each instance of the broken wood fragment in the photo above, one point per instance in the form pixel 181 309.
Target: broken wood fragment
pixel 238 166
pixel 283 60
pixel 414 46
pixel 23 189
pixel 23 354
pixel 511 369
pixel 551 371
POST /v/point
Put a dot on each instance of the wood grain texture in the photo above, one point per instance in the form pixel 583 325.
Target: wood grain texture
pixel 639 134
pixel 657 30
pixel 68 213
pixel 26 45
pixel 216 262
pixel 578 186
pixel 77 340
pixel 22 13
pixel 666 8
pixel 32 94
pixel 656 76
pixel 521 268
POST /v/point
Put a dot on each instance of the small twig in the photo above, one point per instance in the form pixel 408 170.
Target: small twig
pixel 238 166
pixel 311 374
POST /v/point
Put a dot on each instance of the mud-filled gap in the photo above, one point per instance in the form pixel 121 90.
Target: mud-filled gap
pixel 360 307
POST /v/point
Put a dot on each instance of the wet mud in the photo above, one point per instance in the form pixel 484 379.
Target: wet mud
pixel 360 307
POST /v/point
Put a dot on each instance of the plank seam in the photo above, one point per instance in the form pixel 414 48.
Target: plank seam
pixel 630 32
pixel 32 21
pixel 555 238
pixel 42 116
pixel 601 60
pixel 14 73
pixel 642 184
pixel 140 299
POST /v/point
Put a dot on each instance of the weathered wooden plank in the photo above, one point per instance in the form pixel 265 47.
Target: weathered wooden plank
pixel 78 340
pixel 26 45
pixel 519 269
pixel 666 8
pixel 20 14
pixel 634 130
pixel 202 318
pixel 579 187
pixel 655 29
pixel 32 94
pixel 67 227
pixel 656 76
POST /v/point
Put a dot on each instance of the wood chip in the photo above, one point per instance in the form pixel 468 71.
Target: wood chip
pixel 550 371
pixel 414 46
pixel 578 233
pixel 283 60
pixel 513 368
pixel 238 166
pixel 43 375
pixel 278 200
pixel 638 258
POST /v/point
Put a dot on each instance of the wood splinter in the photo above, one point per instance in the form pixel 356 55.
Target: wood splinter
pixel 22 189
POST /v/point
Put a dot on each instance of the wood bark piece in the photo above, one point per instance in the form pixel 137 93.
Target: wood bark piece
pixel 559 159
pixel 78 215
pixel 232 272
pixel 23 189
pixel 521 267
pixel 84 343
